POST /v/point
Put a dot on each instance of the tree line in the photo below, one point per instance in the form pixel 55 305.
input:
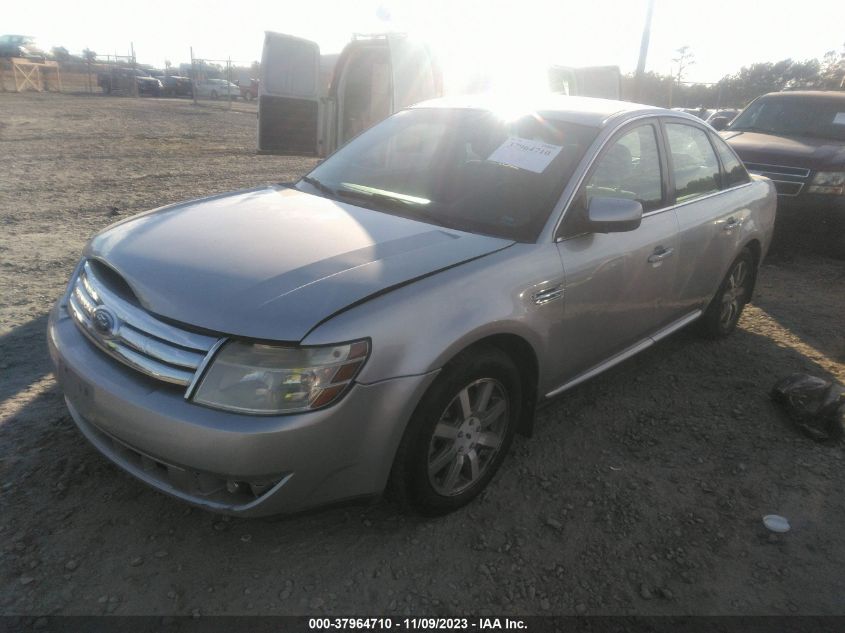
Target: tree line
pixel 731 91
pixel 738 89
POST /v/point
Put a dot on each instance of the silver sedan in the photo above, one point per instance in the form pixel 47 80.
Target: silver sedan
pixel 390 321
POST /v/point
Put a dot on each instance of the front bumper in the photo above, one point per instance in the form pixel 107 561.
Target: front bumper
pixel 271 465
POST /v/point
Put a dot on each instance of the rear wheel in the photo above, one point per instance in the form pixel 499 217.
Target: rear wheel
pixel 459 434
pixel 723 313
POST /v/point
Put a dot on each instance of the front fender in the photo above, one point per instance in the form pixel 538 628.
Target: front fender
pixel 418 328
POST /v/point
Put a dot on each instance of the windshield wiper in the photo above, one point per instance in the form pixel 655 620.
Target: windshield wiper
pixel 369 195
pixel 319 186
pixel 406 208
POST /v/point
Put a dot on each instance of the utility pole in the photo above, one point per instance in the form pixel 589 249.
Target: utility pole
pixel 134 70
pixel 638 77
pixel 229 81
pixel 193 77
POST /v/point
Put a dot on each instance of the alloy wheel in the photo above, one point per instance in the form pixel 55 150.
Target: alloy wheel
pixel 467 436
pixel 735 293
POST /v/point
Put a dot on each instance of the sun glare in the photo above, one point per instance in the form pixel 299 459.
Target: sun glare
pixel 481 65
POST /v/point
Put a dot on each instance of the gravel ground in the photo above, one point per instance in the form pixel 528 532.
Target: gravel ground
pixel 641 492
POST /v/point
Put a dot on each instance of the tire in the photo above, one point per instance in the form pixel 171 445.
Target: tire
pixel 723 313
pixel 214 94
pixel 459 434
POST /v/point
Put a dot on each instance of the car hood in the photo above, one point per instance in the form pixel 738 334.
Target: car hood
pixel 793 151
pixel 274 262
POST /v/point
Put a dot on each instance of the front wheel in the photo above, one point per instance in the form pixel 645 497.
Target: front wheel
pixel 459 434
pixel 723 313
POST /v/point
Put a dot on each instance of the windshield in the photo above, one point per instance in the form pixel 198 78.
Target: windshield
pixel 458 168
pixel 793 116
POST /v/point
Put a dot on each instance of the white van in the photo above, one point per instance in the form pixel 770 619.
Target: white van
pixel 311 104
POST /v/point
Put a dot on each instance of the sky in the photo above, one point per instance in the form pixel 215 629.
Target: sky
pixel 722 36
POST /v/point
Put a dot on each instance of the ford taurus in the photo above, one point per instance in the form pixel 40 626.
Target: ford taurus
pixel 390 321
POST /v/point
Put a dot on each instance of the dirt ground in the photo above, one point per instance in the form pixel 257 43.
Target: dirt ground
pixel 641 492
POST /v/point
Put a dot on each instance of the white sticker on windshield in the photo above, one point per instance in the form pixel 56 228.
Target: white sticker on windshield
pixel 525 153
pixel 839 119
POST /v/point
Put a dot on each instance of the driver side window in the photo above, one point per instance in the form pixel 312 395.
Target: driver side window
pixel 629 169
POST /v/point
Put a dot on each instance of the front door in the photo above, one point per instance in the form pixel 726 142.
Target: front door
pixel 617 283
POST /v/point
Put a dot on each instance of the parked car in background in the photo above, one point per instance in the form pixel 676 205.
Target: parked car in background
pixel 392 320
pixel 719 119
pixel 217 89
pixel 700 112
pixel 22 46
pixel 176 86
pixel 249 90
pixel 122 79
pixel 798 140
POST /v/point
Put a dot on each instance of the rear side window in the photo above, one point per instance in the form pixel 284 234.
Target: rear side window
pixel 735 173
pixel 694 164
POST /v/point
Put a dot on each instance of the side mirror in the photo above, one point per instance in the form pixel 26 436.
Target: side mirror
pixel 614 215
pixel 720 122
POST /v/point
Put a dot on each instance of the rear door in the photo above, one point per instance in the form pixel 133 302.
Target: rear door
pixel 712 204
pixel 414 72
pixel 289 95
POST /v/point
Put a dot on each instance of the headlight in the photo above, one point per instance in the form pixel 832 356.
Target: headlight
pixel 266 379
pixel 832 182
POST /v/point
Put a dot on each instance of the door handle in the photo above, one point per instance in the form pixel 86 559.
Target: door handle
pixel 732 224
pixel 660 254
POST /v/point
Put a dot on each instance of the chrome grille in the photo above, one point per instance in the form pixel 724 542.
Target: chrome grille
pixel 131 335
pixel 789 181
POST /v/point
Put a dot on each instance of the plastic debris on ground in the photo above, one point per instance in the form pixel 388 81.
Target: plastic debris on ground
pixel 816 406
pixel 776 523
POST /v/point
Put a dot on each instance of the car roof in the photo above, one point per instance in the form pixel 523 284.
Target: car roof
pixel 581 110
pixel 833 95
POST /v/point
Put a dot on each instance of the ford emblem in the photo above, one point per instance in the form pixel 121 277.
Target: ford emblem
pixel 103 321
